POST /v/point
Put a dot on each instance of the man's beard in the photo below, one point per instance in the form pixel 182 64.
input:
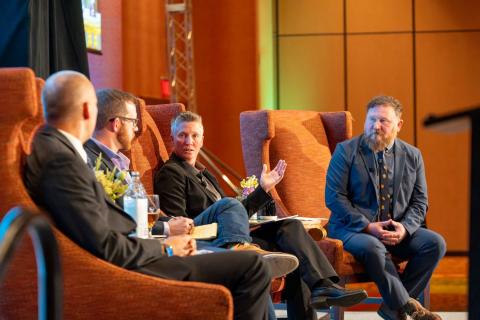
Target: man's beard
pixel 124 139
pixel 379 141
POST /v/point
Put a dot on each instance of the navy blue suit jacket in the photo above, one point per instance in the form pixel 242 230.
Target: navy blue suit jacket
pixel 351 191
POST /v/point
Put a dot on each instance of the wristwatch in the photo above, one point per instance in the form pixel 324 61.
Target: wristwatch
pixel 168 249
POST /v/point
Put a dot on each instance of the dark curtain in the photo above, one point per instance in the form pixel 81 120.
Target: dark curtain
pixel 57 37
pixel 14 33
pixel 46 35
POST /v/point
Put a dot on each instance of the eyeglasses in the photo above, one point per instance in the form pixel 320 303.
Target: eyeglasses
pixel 133 120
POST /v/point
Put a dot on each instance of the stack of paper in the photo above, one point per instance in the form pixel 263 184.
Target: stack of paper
pixel 205 232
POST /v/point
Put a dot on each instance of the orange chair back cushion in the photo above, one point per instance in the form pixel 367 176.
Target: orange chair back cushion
pixel 300 139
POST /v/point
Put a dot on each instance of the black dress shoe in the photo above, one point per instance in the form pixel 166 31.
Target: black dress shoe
pixel 335 295
pixel 388 314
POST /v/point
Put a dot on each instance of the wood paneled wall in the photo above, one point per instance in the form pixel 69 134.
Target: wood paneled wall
pixel 424 52
pixel 225 44
pixel 144 47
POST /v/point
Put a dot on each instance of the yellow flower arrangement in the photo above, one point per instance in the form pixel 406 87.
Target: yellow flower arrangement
pixel 248 185
pixel 113 184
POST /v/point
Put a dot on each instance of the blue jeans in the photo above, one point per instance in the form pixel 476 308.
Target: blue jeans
pixel 232 219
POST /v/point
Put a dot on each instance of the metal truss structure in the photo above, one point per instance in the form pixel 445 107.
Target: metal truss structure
pixel 180 52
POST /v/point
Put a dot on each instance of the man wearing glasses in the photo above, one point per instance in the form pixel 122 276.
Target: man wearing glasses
pixel 115 130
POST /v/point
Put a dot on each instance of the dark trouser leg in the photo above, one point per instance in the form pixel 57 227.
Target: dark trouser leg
pixel 243 273
pixel 423 249
pixel 290 236
pixel 206 245
pixel 232 219
pixel 297 295
pixel 379 266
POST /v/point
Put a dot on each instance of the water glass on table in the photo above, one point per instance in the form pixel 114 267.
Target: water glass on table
pixel 153 211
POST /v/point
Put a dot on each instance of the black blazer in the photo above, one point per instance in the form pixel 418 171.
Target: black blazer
pixel 182 193
pixel 94 151
pixel 59 181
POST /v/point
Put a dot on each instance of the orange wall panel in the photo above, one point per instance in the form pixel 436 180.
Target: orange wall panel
pixel 379 15
pixel 432 68
pixel 226 72
pixel 311 73
pixel 448 78
pixel 144 47
pixel 447 14
pixel 380 64
pixel 310 16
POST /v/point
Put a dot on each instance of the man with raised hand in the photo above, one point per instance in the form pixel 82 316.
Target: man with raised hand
pixel 188 189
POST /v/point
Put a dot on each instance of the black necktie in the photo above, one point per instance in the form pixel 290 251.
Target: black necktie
pixel 383 184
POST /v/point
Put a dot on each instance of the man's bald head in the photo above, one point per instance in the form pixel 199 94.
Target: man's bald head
pixel 64 94
pixel 70 103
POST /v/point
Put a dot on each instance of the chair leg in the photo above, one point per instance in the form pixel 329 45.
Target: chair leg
pixel 337 313
pixel 424 297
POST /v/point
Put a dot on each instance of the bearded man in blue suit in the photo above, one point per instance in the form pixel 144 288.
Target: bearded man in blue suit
pixel 377 193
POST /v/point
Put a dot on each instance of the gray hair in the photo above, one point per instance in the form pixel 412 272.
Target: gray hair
pixel 182 117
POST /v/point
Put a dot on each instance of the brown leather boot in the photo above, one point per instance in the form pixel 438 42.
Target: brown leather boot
pixel 417 312
pixel 280 263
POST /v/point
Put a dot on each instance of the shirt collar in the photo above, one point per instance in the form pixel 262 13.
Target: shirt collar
pixel 389 148
pixel 77 144
pixel 119 159
pixel 194 170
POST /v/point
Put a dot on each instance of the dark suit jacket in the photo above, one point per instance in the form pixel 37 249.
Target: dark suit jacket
pixel 351 191
pixel 94 151
pixel 183 194
pixel 60 182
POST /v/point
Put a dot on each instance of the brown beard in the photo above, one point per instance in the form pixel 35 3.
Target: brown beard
pixel 123 138
pixel 381 144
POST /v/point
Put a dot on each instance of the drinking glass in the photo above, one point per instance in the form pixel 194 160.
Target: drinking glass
pixel 153 211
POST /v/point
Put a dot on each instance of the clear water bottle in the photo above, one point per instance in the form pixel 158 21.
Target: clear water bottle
pixel 135 203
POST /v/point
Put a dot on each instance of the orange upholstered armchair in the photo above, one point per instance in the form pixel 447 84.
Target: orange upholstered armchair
pixel 162 115
pixel 152 146
pixel 306 140
pixel 93 288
